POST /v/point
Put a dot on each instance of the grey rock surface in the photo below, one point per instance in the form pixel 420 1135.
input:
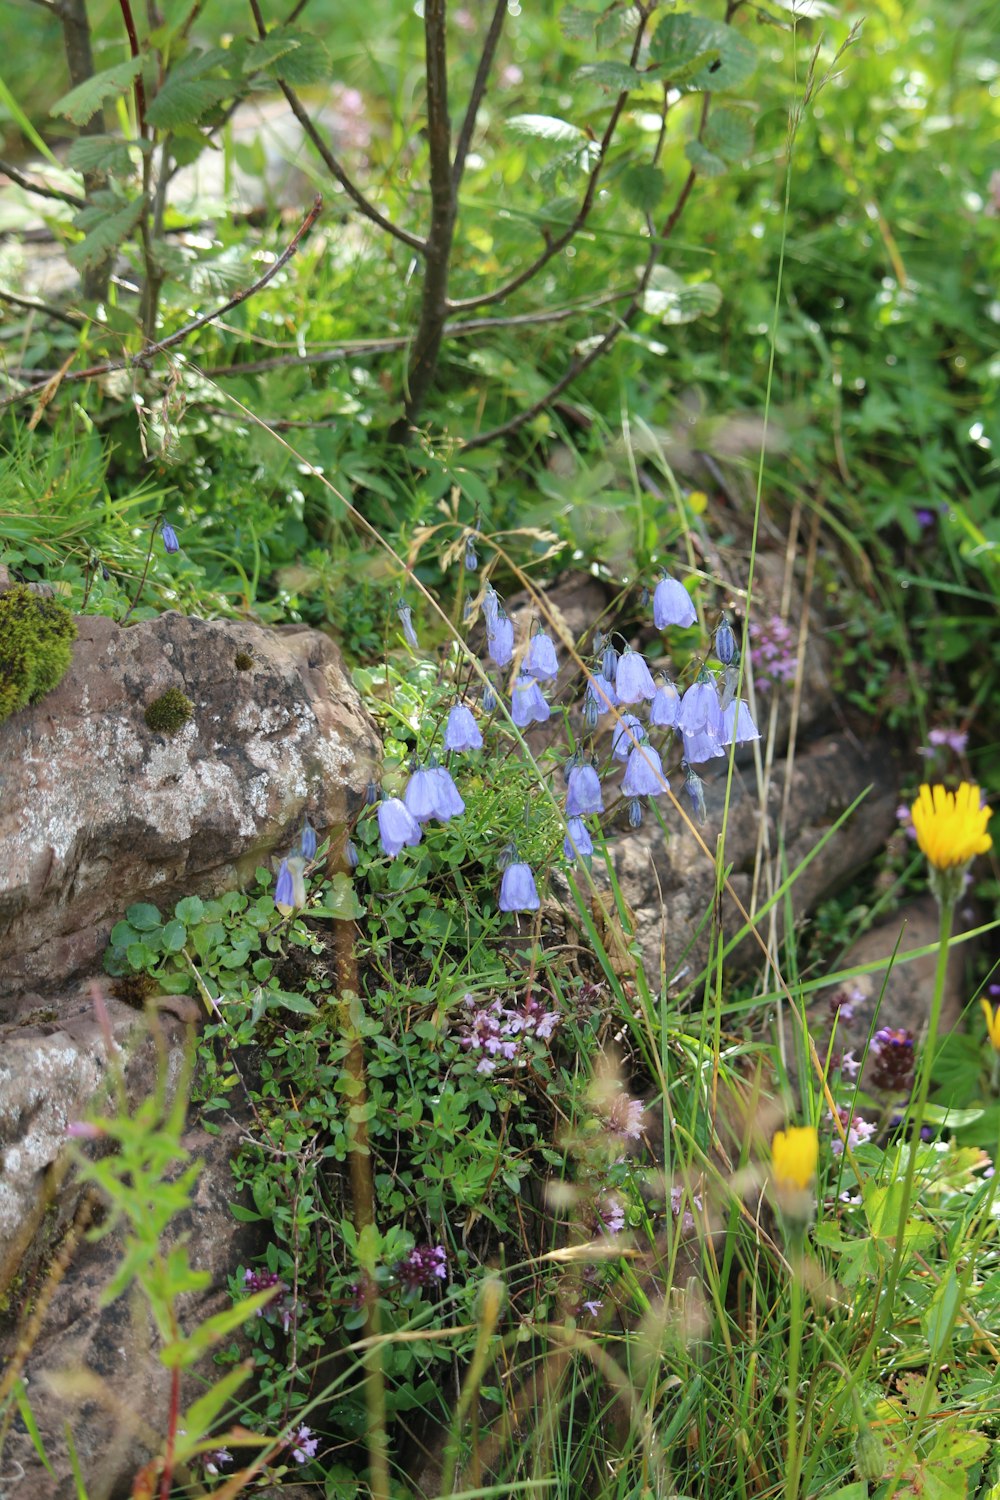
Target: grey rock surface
pixel 98 811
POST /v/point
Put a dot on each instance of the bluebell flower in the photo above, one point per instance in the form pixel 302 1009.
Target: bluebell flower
pixel 528 705
pixel 672 604
pixel 491 607
pixel 609 663
pixel 590 714
pixel 644 774
pixel 700 709
pixel 730 686
pixel 421 795
pixel 725 642
pixel 371 793
pixel 665 706
pixel 695 788
pixel 583 792
pixel 489 699
pixel 601 691
pixel 449 798
pixel 540 660
pixel 518 891
pixel 577 843
pixel 405 614
pixel 471 560
pixel 701 746
pixel 169 535
pixel 351 854
pixel 634 813
pixel 633 682
pixel 461 731
pixel 308 843
pixel 500 640
pixel 397 826
pixel 626 732
pixel 284 891
pixel 737 724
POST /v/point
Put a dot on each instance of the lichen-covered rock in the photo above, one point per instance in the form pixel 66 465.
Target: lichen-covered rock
pixel 98 810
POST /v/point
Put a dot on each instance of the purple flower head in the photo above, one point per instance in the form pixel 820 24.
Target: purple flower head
pixel 528 705
pixel 610 1214
pixel 583 792
pixel 701 747
pixel 169 535
pixel 678 1210
pixel 308 841
pixel 773 652
pixel 626 732
pixel 665 706
pixel 405 614
pixel 216 1459
pixel 593 1306
pixel 500 640
pixel 284 889
pixel 699 710
pixel 644 774
pixel 634 813
pixel 471 560
pixel 954 740
pixel 371 794
pixel 625 1115
pixel 737 724
pixel 424 1265
pixel 633 682
pixel 891 1059
pixel 303 1445
pixel 397 826
pixel 577 844
pixel 672 604
pixel 449 799
pixel 725 642
pixel 281 1306
pixel 461 731
pixel 540 660
pixel 590 714
pixel 856 1128
pixel 924 517
pixel 518 891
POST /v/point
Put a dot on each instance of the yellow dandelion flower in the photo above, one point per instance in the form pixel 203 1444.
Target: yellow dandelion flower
pixel 992 1023
pixel 794 1155
pixel 951 826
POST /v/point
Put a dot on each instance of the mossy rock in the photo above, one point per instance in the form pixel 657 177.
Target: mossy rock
pixel 170 712
pixel 36 647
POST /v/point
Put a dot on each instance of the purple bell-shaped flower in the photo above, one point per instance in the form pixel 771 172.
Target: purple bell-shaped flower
pixel 672 604
pixel 644 774
pixel 540 660
pixel 500 640
pixel 665 706
pixel 461 731
pixel 518 891
pixel 626 733
pixel 577 844
pixel 583 792
pixel 397 826
pixel 528 705
pixel 633 682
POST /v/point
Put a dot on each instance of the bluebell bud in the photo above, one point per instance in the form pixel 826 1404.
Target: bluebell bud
pixel 725 642
pixel 471 560
pixel 489 699
pixel 351 854
pixel 371 794
pixel 308 841
pixel 634 812
pixel 609 663
pixel 169 535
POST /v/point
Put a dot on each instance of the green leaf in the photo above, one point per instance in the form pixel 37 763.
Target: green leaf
pixel 729 133
pixel 190 909
pixel 28 1418
pixel 701 54
pixel 101 153
pixel 298 1004
pixel 122 934
pixel 143 916
pixel 201 1414
pixel 614 23
pixel 86 99
pixel 546 128
pixel 174 937
pixel 675 301
pixel 244 1215
pixel 343 902
pixel 306 62
pixel 643 187
pixel 183 101
pixel 139 956
pixel 610 75
pixel 260 55
pixel 705 162
pixel 183 1352
pixel 576 23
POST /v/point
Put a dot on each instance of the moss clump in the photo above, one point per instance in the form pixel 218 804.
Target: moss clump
pixel 170 712
pixel 36 647
pixel 134 989
pixel 243 661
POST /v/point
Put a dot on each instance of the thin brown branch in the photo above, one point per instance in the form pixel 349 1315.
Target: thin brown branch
pixel 38 189
pixel 330 161
pixel 138 86
pixel 478 91
pixel 73 320
pixel 558 242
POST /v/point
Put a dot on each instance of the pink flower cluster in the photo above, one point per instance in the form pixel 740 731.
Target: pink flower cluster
pixel 498 1033
pixel 772 652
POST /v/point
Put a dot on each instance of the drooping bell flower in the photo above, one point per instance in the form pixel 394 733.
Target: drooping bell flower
pixel 702 746
pixel 634 813
pixel 284 889
pixel 397 826
pixel 665 706
pixel 672 604
pixel 528 705
pixel 405 614
pixel 633 682
pixel 644 774
pixel 695 788
pixel 421 795
pixel 626 733
pixel 489 699
pixel 500 640
pixel 583 792
pixel 737 724
pixel 461 731
pixel 577 844
pixel 308 841
pixel 491 607
pixel 609 662
pixel 449 798
pixel 169 535
pixel 699 708
pixel 518 891
pixel 540 661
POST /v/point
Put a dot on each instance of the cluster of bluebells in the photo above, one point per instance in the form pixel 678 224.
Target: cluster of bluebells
pixel 423 1267
pixel 290 888
pixel 772 652
pixel 498 1033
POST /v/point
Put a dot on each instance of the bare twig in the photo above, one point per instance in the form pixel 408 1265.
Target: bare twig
pixel 478 91
pixel 38 189
pixel 554 244
pixel 72 319
pixel 330 161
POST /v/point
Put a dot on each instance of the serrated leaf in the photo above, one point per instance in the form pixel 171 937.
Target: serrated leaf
pixel 705 162
pixel 674 301
pixel 183 101
pixel 546 128
pixel 729 133
pixel 615 22
pixel 86 99
pixel 100 153
pixel 610 75
pixel 576 23
pixel 307 62
pixel 260 55
pixel 701 54
pixel 643 187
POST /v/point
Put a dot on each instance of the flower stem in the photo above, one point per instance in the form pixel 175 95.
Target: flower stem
pixel 793 1460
